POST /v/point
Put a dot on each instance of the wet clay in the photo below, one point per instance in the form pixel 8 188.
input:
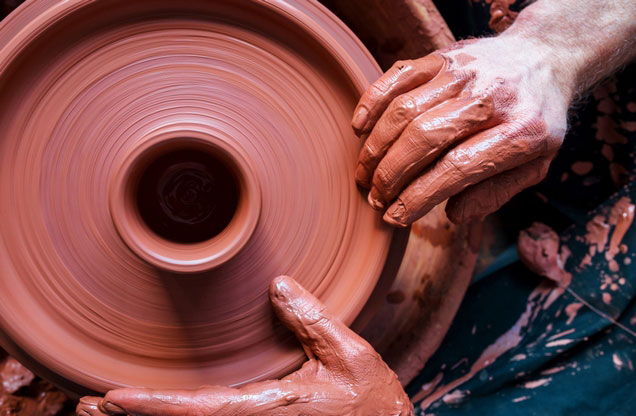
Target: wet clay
pixel 538 248
pixel 621 216
pixel 23 394
pixel 344 375
pixel 501 17
pixel 86 85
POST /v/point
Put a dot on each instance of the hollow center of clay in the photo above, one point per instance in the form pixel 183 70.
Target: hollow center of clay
pixel 187 195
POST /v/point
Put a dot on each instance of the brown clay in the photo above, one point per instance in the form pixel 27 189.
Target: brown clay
pixel 501 17
pixel 23 394
pixel 101 82
pixel 343 376
pixel 538 248
pixel 622 216
pixel 435 272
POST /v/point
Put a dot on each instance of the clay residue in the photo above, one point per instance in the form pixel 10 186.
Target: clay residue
pixel 427 388
pixel 561 334
pixel 559 343
pixel 501 17
pixel 582 168
pixel 619 175
pixel 629 125
pixel 440 235
pixel 506 342
pixel 621 216
pixel 454 397
pixel 608 152
pixel 597 233
pixel 463 58
pixel 536 383
pixel 538 248
pixel 607 128
pixel 23 394
pixel 15 376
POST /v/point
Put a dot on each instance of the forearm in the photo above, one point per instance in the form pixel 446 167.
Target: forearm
pixel 583 41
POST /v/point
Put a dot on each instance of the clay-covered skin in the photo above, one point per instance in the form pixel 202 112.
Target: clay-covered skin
pixel 482 120
pixel 344 375
pixel 464 123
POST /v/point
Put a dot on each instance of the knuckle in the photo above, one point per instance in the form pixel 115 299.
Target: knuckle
pixel 503 96
pixel 458 159
pixel 535 126
pixel 386 82
pixel 466 163
pixel 402 107
pixel 375 91
pixel 419 139
pixel 537 130
pixel 402 65
pixel 465 76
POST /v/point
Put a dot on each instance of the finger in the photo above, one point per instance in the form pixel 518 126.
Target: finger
pixel 486 197
pixel 402 110
pixel 403 76
pixel 147 402
pixel 274 397
pixel 478 158
pixel 89 406
pixel 335 345
pixel 425 139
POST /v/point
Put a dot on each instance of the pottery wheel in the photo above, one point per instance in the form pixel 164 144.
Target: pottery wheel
pixel 161 161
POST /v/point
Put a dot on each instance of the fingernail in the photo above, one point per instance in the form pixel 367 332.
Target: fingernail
pixel 113 408
pixel 362 177
pixel 374 200
pixel 395 214
pixel 359 118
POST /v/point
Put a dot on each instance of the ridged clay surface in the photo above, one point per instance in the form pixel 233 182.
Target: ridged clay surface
pixel 82 84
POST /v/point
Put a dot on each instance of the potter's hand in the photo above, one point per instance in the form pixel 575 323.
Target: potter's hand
pixel 477 124
pixel 482 120
pixel 344 376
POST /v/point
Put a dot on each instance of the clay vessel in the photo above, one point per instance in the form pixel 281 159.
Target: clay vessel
pixel 93 298
pixel 126 123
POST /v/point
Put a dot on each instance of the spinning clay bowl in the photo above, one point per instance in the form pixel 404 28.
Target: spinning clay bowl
pixel 161 161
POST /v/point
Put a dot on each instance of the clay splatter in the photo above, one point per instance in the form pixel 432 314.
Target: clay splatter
pixel 559 343
pixel 597 233
pixel 582 168
pixel 538 248
pixel 503 344
pixel 537 383
pixel 571 310
pixel 501 17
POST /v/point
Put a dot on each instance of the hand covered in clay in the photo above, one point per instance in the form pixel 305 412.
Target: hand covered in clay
pixel 476 123
pixel 344 376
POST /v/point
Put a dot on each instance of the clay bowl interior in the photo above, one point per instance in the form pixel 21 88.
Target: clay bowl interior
pixel 92 93
pixel 206 209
